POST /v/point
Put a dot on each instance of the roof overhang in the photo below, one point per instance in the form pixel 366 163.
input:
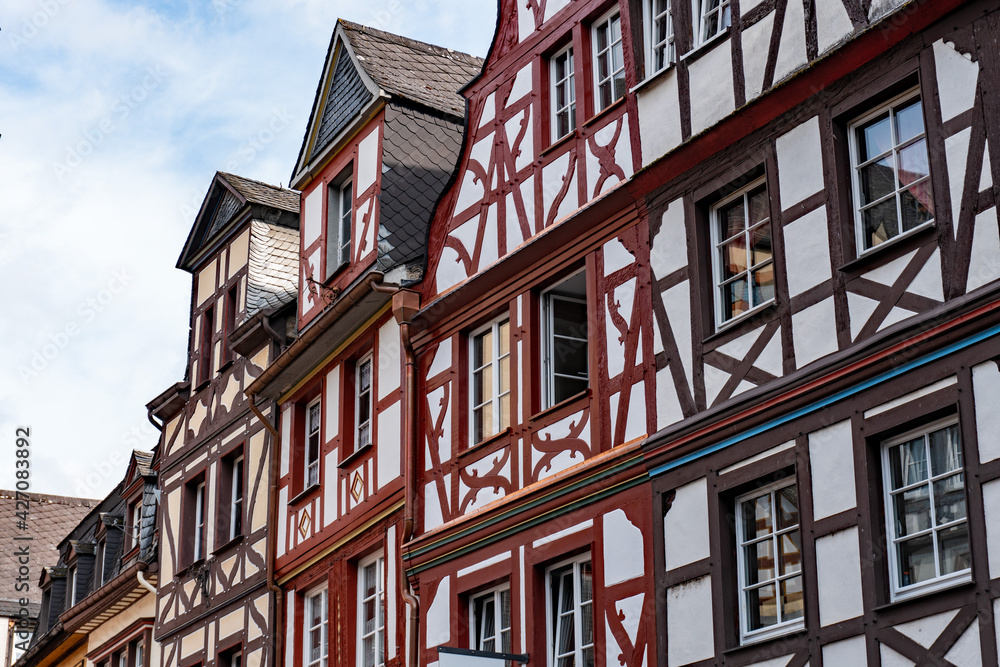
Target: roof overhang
pixel 109 600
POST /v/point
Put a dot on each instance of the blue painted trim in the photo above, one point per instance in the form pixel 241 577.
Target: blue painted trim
pixel 826 402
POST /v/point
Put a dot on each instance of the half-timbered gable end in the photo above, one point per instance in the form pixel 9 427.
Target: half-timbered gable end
pixel 381 145
pixel 535 357
pixel 825 259
pixel 213 606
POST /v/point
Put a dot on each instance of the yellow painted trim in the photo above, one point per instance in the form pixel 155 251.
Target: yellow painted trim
pixel 339 543
pixel 321 365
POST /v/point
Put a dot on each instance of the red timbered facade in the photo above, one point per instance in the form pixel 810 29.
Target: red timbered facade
pixel 381 143
pixel 215 606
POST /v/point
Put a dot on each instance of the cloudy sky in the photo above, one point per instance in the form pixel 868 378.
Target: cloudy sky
pixel 114 116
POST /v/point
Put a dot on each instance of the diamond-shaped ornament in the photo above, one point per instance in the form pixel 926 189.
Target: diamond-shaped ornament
pixel 304 524
pixel 357 486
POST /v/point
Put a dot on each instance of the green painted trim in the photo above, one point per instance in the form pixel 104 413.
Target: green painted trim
pixel 530 523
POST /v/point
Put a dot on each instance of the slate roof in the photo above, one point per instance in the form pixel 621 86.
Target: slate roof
pixel 143 462
pixel 50 520
pixel 256 192
pixel 274 267
pixel 417 71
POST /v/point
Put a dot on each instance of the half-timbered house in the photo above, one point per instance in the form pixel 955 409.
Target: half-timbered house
pixel 821 181
pixel 381 143
pixel 98 600
pixel 215 605
pixel 534 346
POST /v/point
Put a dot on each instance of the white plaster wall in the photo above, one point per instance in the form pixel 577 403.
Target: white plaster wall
pixel 892 659
pixel 991 507
pixel 439 615
pixel 206 282
pixel 669 249
pixel 711 87
pixel 239 253
pixel 800 162
pixel 831 458
pixel 984 264
pixel 685 526
pixel 986 390
pixel 792 48
pixel 756 41
pixel 312 216
pixel 838 567
pixel 689 622
pixel 846 652
pixel 956 150
pixel 814 332
pixel 623 549
pixel 659 117
pixel 388 445
pixel 677 303
pixel 832 24
pixel 668 405
pixel 367 168
pixel 807 252
pixel 389 364
pixel 957 76
pixel 966 651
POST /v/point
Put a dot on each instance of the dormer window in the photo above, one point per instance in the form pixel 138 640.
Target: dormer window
pixel 340 204
pixel 71 586
pixel 205 350
pixel 229 324
pixel 135 523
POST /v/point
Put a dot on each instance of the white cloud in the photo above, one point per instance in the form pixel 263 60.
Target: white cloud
pixel 114 116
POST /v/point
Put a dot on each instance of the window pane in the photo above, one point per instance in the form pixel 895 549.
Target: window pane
pixel 602 37
pixel 880 223
pixel 734 257
pixel 503 335
pixel 505 412
pixel 759 562
pixel 759 206
pixel 788 506
pixel 908 463
pixel 874 138
pixel 877 180
pixel 917 205
pixel 763 284
pixel 791 556
pixel 757 517
pixel 946 450
pixel 587 582
pixel 483 385
pixel 909 121
pixel 567 388
pixel 732 219
pixel 484 422
pixel 913 163
pixel 916 560
pixel 949 499
pixel 953 544
pixel 762 607
pixel 569 318
pixel 482 348
pixel 912 511
pixel 792 600
pixel 366 375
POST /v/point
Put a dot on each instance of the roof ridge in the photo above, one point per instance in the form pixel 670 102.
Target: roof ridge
pixel 279 188
pixel 402 40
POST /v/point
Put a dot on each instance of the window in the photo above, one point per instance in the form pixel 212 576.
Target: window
pixel 340 203
pixel 140 654
pixel 569 599
pixel 199 521
pixel 135 517
pixel 363 403
pixel 236 500
pixel 491 621
pixel 490 355
pixel 609 64
pixel 232 304
pixel 316 631
pixel 891 173
pixel 205 352
pixel 102 546
pixel 565 355
pixel 712 17
pixel 662 51
pixel 563 93
pixel 232 658
pixel 744 267
pixel 769 561
pixel 312 442
pixel 371 612
pixel 925 509
pixel 71 583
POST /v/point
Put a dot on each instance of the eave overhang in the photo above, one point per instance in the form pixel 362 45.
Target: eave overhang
pixel 253 333
pixel 349 312
pixel 109 600
pixel 171 402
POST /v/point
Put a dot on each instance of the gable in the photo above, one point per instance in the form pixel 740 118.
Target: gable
pixel 225 210
pixel 345 97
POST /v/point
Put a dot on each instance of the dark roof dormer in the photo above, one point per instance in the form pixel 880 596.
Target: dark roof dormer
pixel 365 68
pixel 232 201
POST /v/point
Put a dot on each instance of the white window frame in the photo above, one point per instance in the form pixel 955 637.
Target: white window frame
pixel 941 581
pixel 857 165
pixel 136 526
pixel 345 194
pixel 312 465
pixel 548 336
pixel 496 396
pixel 378 560
pixel 364 396
pixel 717 278
pixel 552 624
pixel 199 521
pixel 322 627
pixel 476 637
pixel 698 14
pixel 71 577
pixel 748 636
pixel 570 82
pixel 102 545
pixel 236 501
pixel 668 44
pixel 605 23
pixel 140 653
